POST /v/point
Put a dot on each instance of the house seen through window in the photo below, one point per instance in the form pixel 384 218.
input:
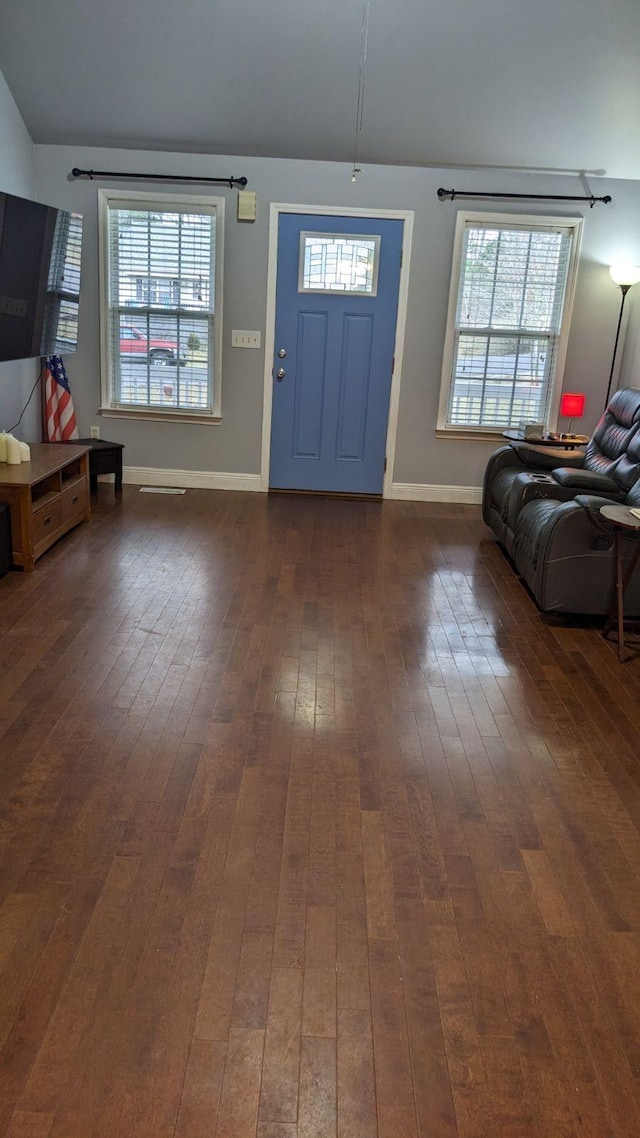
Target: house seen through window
pixel 512 288
pixel 161 307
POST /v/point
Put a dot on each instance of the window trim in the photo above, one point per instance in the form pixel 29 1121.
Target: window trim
pixel 501 220
pixel 141 200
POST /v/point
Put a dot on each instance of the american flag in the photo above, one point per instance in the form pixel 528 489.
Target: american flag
pixel 60 417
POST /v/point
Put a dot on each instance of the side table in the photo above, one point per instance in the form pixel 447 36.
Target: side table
pixel 553 450
pixel 625 525
pixel 104 458
pixel 559 442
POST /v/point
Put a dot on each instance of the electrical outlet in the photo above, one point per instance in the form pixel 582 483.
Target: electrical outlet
pixel 245 339
pixel 95 432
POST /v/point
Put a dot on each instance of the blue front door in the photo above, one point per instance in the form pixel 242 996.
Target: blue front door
pixel 336 307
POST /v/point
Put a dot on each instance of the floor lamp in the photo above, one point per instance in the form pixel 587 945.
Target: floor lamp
pixel 625 276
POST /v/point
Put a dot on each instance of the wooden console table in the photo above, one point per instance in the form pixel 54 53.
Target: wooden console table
pixel 47 497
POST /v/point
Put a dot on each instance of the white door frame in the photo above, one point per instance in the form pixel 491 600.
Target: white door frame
pixel 405 215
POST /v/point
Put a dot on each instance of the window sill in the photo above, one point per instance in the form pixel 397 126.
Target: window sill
pixel 153 416
pixel 456 435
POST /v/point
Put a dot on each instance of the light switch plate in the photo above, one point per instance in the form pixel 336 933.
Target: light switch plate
pixel 241 339
pixel 11 306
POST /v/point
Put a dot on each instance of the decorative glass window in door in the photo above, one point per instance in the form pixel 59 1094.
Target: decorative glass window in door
pixel 339 262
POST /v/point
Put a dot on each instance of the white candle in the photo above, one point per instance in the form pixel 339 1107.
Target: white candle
pixel 14 454
pixel 3 447
pixel 25 453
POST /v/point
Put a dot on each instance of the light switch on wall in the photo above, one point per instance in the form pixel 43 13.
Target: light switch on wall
pixel 245 339
pixel 11 306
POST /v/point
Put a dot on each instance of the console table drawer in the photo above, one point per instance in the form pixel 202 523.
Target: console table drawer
pixel 46 521
pixel 73 501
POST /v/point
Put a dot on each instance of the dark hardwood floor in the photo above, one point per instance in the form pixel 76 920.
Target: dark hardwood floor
pixel 311 826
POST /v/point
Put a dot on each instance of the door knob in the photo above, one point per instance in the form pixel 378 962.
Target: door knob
pixel 282 353
pixel 280 374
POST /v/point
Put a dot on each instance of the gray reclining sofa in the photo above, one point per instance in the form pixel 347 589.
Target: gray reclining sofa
pixel 548 517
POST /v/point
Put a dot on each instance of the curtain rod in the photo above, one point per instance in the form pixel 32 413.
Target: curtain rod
pixel 451 194
pixel 231 182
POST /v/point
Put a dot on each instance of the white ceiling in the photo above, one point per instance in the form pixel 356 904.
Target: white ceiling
pixel 549 84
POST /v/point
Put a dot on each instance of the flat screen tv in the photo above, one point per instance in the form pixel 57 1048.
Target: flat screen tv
pixel 40 261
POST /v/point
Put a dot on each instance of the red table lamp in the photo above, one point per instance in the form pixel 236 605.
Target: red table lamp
pixel 572 406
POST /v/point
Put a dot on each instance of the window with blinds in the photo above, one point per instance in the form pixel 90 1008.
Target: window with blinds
pixel 512 289
pixel 161 303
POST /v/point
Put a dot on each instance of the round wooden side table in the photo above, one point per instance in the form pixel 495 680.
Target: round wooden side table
pixel 625 525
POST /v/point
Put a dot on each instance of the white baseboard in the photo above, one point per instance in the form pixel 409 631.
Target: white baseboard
pixel 190 479
pixel 415 492
pixel 219 480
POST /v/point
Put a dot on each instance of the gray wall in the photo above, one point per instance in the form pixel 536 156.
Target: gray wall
pixel 610 233
pixel 17 176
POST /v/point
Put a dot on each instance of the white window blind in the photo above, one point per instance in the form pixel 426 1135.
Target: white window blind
pixel 161 305
pixel 64 267
pixel 63 283
pixel 510 311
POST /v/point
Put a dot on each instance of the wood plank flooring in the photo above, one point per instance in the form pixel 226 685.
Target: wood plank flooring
pixel 311 827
